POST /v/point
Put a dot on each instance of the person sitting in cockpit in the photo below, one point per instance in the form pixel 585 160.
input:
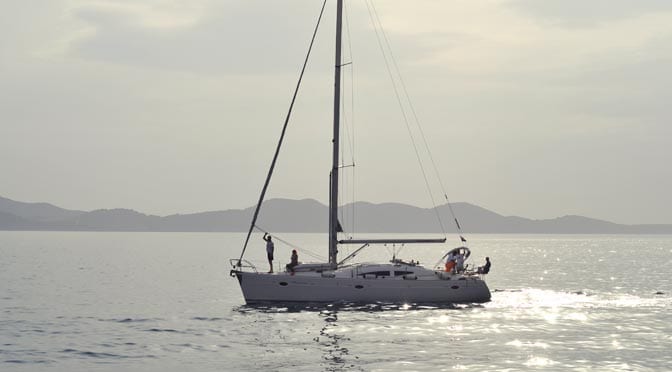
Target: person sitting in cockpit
pixel 485 268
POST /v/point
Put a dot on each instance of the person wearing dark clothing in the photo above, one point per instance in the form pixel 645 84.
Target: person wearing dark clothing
pixel 485 268
pixel 270 247
pixel 294 261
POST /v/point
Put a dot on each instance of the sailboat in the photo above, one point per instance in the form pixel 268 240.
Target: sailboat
pixel 337 280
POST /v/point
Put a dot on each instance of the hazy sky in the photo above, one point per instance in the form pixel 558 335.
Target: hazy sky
pixel 531 108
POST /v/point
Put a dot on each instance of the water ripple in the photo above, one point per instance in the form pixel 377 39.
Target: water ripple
pixel 102 355
pixel 163 330
pixel 548 313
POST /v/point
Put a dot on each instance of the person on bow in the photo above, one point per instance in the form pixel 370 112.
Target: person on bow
pixel 270 247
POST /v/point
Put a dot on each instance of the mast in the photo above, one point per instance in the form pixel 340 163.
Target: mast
pixel 333 187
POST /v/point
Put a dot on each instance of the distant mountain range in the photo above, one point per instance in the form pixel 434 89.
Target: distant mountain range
pixel 307 215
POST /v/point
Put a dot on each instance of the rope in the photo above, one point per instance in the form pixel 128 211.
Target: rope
pixel 422 132
pixel 282 136
pixel 292 245
pixel 401 106
pixel 348 224
pixel 417 122
pixel 352 113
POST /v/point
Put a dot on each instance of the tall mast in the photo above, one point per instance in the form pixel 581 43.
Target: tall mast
pixel 333 187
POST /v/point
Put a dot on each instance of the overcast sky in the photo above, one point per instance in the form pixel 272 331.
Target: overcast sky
pixel 531 108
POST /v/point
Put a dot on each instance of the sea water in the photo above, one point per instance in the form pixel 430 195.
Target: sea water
pixel 74 301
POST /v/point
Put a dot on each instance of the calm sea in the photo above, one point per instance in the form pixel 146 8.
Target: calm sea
pixel 165 302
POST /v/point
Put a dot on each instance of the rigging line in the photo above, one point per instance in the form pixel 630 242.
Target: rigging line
pixel 282 136
pixel 352 113
pixel 342 180
pixel 417 122
pixel 399 250
pixel 345 127
pixel 391 253
pixel 352 82
pixel 403 111
pixel 351 135
pixel 291 245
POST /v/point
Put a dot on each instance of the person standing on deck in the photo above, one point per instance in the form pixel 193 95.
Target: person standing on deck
pixel 270 247
pixel 459 262
pixel 450 263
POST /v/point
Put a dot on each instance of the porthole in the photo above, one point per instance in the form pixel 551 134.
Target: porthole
pixel 283 283
pixel 359 286
pixel 455 287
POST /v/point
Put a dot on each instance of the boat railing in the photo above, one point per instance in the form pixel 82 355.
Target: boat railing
pixel 241 265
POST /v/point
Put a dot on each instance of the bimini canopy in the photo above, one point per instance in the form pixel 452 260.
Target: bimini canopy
pixel 459 250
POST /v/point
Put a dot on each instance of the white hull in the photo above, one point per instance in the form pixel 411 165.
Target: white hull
pixel 332 282
pixel 313 287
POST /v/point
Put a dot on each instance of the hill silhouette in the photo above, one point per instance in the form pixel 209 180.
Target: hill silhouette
pixel 307 215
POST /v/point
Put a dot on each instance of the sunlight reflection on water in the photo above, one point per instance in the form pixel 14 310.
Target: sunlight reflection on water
pixel 130 308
